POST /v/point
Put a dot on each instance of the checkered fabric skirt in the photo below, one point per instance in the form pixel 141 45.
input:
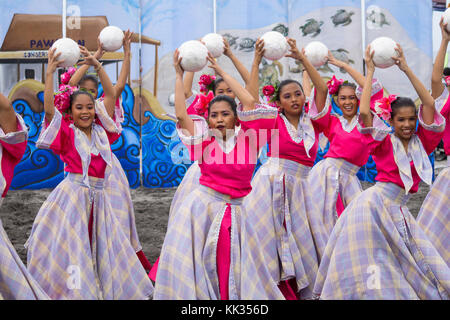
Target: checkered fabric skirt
pixel 118 190
pixel 188 262
pixel 378 251
pixel 277 208
pixel 63 260
pixel 328 179
pixel 434 216
pixel 16 283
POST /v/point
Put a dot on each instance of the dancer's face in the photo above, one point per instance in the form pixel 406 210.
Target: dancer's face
pixel 221 117
pixel 347 101
pixel 89 86
pixel 223 89
pixel 404 122
pixel 83 112
pixel 292 99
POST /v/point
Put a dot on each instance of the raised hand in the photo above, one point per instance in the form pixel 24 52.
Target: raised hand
pixel 53 62
pixel 444 32
pixel 259 51
pixel 227 50
pixel 400 61
pixel 294 52
pixel 369 59
pixel 335 62
pixel 214 65
pixel 127 41
pixel 89 59
pixel 177 63
pixel 100 51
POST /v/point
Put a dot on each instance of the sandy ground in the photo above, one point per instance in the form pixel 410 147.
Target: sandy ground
pixel 151 210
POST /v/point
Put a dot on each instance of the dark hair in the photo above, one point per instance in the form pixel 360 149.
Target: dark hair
pixel 89 77
pixel 285 83
pixel 346 84
pixel 215 84
pixel 74 95
pixel 401 102
pixel 225 98
pixel 446 71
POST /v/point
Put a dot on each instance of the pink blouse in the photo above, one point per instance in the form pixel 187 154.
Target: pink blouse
pixel 12 149
pixel 394 164
pixel 227 166
pixel 443 106
pixel 71 144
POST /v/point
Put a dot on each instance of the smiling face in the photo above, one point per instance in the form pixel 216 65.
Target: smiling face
pixel 347 102
pixel 223 89
pixel 404 122
pixel 83 111
pixel 89 86
pixel 221 117
pixel 291 99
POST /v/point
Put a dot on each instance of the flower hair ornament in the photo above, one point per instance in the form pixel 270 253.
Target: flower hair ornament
pixel 206 83
pixel 333 84
pixel 65 77
pixel 270 93
pixel 447 80
pixel 382 107
pixel 201 103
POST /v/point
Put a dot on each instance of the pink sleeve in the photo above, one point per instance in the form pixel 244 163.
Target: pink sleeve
pixel 376 94
pixel 56 135
pixel 113 128
pixel 320 120
pixel 442 104
pixel 262 117
pixel 201 138
pixel 15 143
pixel 376 135
pixel 430 135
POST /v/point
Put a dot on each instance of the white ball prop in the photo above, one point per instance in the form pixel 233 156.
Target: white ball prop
pixel 214 43
pixel 384 49
pixel 446 16
pixel 317 53
pixel 275 45
pixel 111 38
pixel 194 54
pixel 70 52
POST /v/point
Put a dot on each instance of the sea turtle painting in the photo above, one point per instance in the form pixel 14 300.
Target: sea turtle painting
pixel 232 41
pixel 377 19
pixel 342 17
pixel 247 44
pixel 342 55
pixel 312 26
pixel 270 73
pixel 281 28
pixel 299 68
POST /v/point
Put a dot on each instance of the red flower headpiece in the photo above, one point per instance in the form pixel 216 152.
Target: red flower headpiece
pixel 201 104
pixel 447 81
pixel 382 107
pixel 206 83
pixel 62 97
pixel 65 77
pixel 333 84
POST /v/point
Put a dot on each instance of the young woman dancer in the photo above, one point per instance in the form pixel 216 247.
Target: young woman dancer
pixel 277 206
pixel 376 249
pixel 117 186
pixel 16 283
pixel 435 212
pixel 333 181
pixel 77 248
pixel 210 250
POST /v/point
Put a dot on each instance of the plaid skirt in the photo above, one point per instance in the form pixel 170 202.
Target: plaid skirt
pixel 188 262
pixel 328 179
pixel 378 251
pixel 16 283
pixel 278 209
pixel 64 261
pixel 189 182
pixel 434 216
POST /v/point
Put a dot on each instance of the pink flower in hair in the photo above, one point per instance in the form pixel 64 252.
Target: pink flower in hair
pixel 206 83
pixel 201 103
pixel 333 84
pixel 447 81
pixel 382 107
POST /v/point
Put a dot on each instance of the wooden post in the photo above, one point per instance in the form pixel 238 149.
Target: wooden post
pixel 18 72
pixel 155 81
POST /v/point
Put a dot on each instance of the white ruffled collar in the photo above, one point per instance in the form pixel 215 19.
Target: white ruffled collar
pixel 230 143
pixel 304 131
pixel 348 126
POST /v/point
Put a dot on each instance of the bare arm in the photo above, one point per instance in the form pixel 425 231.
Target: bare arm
pixel 49 104
pixel 245 75
pixel 424 95
pixel 319 84
pixel 247 100
pixel 122 80
pixel 253 85
pixel 187 84
pixel 184 121
pixel 436 77
pixel 306 83
pixel 356 75
pixel 364 106
pixel 81 71
pixel 8 120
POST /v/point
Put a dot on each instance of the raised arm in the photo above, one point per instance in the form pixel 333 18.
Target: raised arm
pixel 49 104
pixel 436 77
pixel 253 84
pixel 81 71
pixel 108 89
pixel 306 83
pixel 184 121
pixel 319 84
pixel 245 75
pixel 122 80
pixel 246 99
pixel 422 92
pixel 364 105
pixel 8 120
pixel 187 84
pixel 356 75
